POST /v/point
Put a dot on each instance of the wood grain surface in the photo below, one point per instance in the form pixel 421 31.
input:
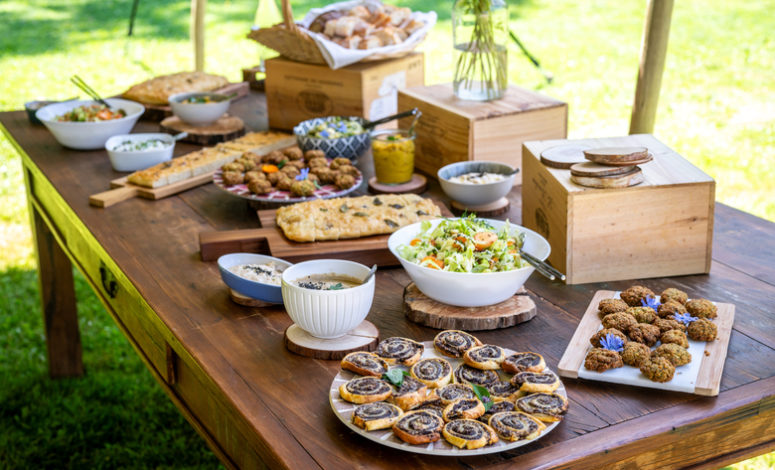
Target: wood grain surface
pixel 259 405
pixel 363 337
pixel 225 128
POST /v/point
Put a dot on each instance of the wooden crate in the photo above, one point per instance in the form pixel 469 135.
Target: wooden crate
pixel 662 227
pixel 453 130
pixel 296 91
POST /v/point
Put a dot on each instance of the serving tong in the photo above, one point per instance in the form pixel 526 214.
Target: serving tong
pixel 544 268
pixel 78 81
pixel 412 112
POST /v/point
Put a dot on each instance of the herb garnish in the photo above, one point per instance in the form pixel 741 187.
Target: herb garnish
pixel 337 286
pixel 395 376
pixel 483 395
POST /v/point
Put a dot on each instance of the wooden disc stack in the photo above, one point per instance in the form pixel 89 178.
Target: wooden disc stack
pixel 610 167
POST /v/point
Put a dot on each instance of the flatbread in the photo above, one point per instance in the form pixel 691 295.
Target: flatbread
pixel 158 90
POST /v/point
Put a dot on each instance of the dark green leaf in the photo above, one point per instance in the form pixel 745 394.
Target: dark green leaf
pixel 483 395
pixel 395 376
pixel 282 164
pixel 337 286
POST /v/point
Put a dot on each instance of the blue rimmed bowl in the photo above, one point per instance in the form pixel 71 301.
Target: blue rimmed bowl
pixel 350 147
pixel 249 288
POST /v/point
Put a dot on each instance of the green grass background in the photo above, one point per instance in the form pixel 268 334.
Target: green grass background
pixel 717 108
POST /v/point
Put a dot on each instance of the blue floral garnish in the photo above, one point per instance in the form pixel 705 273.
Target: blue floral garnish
pixel 324 133
pixel 303 174
pixel 612 343
pixel 684 318
pixel 651 302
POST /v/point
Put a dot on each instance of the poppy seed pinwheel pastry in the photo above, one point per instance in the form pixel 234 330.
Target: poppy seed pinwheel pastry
pixel 454 343
pixel 411 394
pixel 377 415
pixel 501 390
pixel 548 407
pixel 418 427
pixel 497 407
pixel 523 362
pixel 533 382
pixel 432 372
pixel 470 408
pixel 486 357
pixel 466 374
pixel 454 392
pixel 469 433
pixel 514 425
pixel 365 390
pixel 365 363
pixel 397 350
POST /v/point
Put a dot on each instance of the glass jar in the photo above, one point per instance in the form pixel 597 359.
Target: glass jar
pixel 480 31
pixel 393 151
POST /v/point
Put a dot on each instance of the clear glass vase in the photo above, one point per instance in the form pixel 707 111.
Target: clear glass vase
pixel 479 35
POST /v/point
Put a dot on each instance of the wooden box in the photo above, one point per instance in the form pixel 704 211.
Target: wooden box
pixel 296 91
pixel 661 227
pixel 453 130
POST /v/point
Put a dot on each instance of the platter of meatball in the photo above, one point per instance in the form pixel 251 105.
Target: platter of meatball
pixel 288 176
pixel 667 340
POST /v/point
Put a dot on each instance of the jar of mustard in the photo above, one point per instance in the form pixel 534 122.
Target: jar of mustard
pixel 393 151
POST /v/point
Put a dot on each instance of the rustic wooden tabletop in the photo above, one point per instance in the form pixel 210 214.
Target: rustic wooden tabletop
pixel 255 403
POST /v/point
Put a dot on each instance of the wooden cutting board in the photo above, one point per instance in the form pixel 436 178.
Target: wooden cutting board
pixel 157 112
pixel 225 128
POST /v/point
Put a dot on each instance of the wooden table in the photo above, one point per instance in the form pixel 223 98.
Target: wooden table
pixel 225 367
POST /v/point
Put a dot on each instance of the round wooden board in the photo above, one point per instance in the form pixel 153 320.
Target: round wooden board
pixel 423 310
pixel 364 337
pixel 597 169
pixel 563 156
pixel 618 155
pixel 632 178
pixel 238 298
pixel 225 128
pixel 416 185
pixel 630 163
pixel 493 209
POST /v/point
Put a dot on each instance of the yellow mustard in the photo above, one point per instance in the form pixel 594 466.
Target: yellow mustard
pixel 393 151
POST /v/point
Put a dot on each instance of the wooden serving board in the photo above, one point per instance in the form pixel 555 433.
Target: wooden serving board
pixel 598 169
pixel 225 128
pixel 123 190
pixel 710 358
pixel 363 337
pixel 563 156
pixel 624 180
pixel 617 155
pixel 157 112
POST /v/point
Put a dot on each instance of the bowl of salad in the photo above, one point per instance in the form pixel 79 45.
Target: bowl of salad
pixel 467 262
pixel 199 108
pixel 133 152
pixel 337 136
pixel 86 124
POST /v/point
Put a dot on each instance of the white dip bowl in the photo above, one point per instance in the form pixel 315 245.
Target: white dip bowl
pixel 199 114
pixel 134 160
pixel 476 194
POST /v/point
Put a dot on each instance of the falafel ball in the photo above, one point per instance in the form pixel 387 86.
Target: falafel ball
pixel 702 330
pixel 348 170
pixel 667 324
pixel 600 360
pixel 317 162
pixel 677 355
pixel 635 353
pixel 233 166
pixel 275 177
pixel 255 175
pixel 670 308
pixel 284 183
pixel 324 174
pixel 635 294
pixel 595 339
pixel 658 369
pixel 340 161
pixel 290 170
pixel 675 337
pixel 644 333
pixel 247 163
pixel 256 158
pixel 702 308
pixel 274 157
pixel 344 181
pixel 230 178
pixel 642 314
pixel 607 306
pixel 315 153
pixel 313 177
pixel 297 163
pixel 619 320
pixel 260 186
pixel 303 188
pixel 671 293
pixel 293 153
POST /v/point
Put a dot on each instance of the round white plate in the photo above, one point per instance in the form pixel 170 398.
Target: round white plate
pixel 344 410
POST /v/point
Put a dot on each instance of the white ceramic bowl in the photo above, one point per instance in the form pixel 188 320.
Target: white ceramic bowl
pixel 469 289
pixel 141 159
pixel 198 114
pixel 253 289
pixel 88 135
pixel 476 194
pixel 327 313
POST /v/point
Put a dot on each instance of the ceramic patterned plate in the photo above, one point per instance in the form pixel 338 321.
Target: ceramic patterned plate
pixel 344 410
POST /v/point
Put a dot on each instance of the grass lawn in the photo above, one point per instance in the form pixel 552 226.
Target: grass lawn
pixel 715 109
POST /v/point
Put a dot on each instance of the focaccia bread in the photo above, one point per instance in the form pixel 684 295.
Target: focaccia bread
pixel 341 218
pixel 158 90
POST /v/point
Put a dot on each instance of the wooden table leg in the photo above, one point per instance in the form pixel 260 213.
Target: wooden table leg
pixel 57 292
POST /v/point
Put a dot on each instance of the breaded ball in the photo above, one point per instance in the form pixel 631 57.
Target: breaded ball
pixel 247 163
pixel 230 178
pixel 255 175
pixel 275 177
pixel 297 163
pixel 702 330
pixel 669 308
pixel 302 188
pixel 667 324
pixel 348 170
pixel 677 355
pixel 619 320
pixel 256 158
pixel 675 337
pixel 274 157
pixel 313 177
pixel 344 181
pixel 658 369
pixel 595 339
pixel 325 174
pixel 635 353
pixel 601 360
pixel 310 154
pixel 671 293
pixel 642 314
pixel 340 161
pixel 635 294
pixel 284 183
pixel 290 170
pixel 607 306
pixel 293 153
pixel 317 162
pixel 644 333
pixel 260 186
pixel 701 308
pixel 233 166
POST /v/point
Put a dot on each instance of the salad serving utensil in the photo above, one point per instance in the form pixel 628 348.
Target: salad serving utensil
pixel 544 268
pixel 412 112
pixel 78 81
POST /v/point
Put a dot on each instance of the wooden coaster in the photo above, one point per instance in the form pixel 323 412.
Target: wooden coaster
pixel 501 206
pixel 616 155
pixel 225 128
pixel 631 178
pixel 363 337
pixel 563 156
pixel 238 298
pixel 648 158
pixel 597 169
pixel 421 309
pixel 416 185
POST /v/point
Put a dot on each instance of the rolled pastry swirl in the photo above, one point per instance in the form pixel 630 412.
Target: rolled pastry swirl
pixel 454 343
pixel 500 391
pixel 365 390
pixel 400 350
pixel 411 393
pixel 433 372
pixel 469 433
pixel 523 362
pixel 470 408
pixel 548 407
pixel 465 374
pixel 497 407
pixel 536 381
pixel 488 357
pixel 513 425
pixel 418 427
pixel 432 408
pixel 365 363
pixel 378 415
pixel 454 392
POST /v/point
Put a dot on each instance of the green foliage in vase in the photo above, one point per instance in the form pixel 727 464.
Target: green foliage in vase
pixel 480 65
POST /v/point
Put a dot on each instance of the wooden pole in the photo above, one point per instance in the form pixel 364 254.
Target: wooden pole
pixel 198 8
pixel 656 32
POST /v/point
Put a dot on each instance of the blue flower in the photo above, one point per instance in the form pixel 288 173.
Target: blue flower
pixel 303 175
pixel 651 302
pixel 324 133
pixel 684 318
pixel 612 343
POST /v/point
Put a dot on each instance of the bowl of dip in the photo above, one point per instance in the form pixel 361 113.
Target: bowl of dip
pixel 393 152
pixel 255 276
pixel 133 152
pixel 476 183
pixel 327 297
pixel 199 108
pixel 336 136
